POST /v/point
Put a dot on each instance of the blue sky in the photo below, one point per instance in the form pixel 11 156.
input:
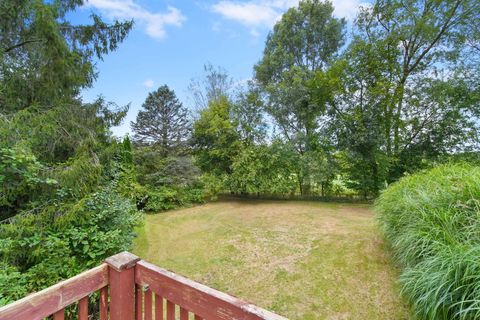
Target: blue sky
pixel 172 40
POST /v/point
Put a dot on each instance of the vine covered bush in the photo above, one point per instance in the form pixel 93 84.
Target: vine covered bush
pixel 432 222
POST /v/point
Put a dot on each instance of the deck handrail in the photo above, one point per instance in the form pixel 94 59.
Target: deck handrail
pixel 130 289
pixel 55 298
pixel 203 301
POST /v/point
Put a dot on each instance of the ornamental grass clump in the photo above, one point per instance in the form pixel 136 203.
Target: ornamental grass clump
pixel 432 222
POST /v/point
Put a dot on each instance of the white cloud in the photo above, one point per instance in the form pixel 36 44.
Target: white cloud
pixel 256 14
pixel 348 8
pixel 251 14
pixel 153 22
pixel 148 83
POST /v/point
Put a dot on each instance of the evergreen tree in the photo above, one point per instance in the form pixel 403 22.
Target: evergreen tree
pixel 163 123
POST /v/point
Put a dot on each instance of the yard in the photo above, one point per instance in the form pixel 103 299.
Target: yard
pixel 303 260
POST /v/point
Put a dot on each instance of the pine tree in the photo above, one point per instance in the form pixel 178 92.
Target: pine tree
pixel 163 123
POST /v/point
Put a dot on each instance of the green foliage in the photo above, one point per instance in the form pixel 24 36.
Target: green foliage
pixel 264 170
pixel 155 170
pixel 215 138
pixel 212 185
pixel 20 175
pixel 301 47
pixel 163 123
pixel 162 199
pixel 167 198
pixel 64 178
pixel 63 240
pixel 44 57
pixel 247 112
pixel 431 220
pixel 12 282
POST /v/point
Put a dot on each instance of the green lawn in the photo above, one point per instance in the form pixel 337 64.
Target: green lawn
pixel 303 260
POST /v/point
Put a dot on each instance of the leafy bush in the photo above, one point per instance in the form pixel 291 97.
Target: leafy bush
pixel 162 198
pixel 39 250
pixel 432 221
pixel 12 283
pixel 20 177
pixel 166 198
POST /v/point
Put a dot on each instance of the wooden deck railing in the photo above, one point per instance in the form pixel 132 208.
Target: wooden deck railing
pixel 132 289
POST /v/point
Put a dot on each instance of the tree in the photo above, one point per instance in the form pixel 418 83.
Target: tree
pixel 163 123
pixel 422 37
pixel 44 57
pixel 304 41
pixel 264 170
pixel 215 139
pixel 248 112
pixel 404 96
pixel 64 177
pixel 215 84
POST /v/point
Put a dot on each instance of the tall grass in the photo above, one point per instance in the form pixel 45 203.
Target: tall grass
pixel 432 221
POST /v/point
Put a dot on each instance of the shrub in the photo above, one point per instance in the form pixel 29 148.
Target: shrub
pixel 38 250
pixel 167 198
pixel 162 198
pixel 432 221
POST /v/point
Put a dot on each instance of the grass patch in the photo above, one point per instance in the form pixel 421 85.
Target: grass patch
pixel 304 260
pixel 432 221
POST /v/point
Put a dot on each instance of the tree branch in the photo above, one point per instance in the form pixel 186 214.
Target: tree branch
pixel 21 44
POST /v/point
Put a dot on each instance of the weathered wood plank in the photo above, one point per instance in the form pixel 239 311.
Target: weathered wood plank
pixel 138 303
pixel 170 310
pixel 83 309
pixel 104 303
pixel 46 302
pixel 59 315
pixel 205 302
pixel 158 307
pixel 183 314
pixel 147 305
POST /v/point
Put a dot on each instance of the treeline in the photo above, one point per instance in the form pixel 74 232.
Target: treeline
pixel 330 111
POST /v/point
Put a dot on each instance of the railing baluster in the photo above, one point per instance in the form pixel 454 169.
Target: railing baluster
pixel 170 310
pixel 83 309
pixel 138 303
pixel 59 315
pixel 158 307
pixel 183 314
pixel 104 303
pixel 147 306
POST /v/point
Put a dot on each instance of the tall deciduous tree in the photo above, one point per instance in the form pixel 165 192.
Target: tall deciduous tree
pixel 423 37
pixel 215 139
pixel 214 84
pixel 248 112
pixel 164 122
pixel 406 96
pixel 304 41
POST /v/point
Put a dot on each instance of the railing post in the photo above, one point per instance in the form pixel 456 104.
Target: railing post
pixel 121 276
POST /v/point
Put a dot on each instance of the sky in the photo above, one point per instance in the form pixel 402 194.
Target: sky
pixel 172 40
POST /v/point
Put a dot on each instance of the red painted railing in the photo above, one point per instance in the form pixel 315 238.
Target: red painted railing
pixel 132 289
